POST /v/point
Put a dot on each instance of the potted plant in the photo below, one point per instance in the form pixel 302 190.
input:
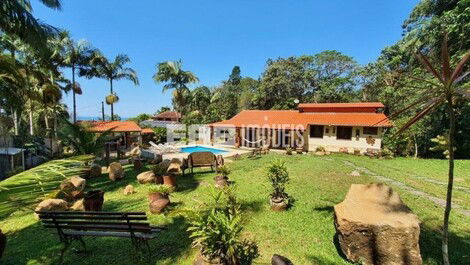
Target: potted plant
pixel 93 200
pixel 288 150
pixel 221 179
pixel 159 197
pixel 279 177
pixel 159 171
pixel 216 230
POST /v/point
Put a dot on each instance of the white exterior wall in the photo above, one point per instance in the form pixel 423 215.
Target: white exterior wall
pixel 332 144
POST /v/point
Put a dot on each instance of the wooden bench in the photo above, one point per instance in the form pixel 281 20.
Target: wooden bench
pixel 72 226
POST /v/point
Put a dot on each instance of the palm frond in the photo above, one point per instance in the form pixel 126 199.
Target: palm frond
pixel 429 107
pixel 459 68
pixel 425 62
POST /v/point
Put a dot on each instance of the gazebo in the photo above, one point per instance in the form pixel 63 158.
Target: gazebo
pixel 11 158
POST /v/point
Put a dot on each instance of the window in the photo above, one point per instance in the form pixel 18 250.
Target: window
pixel 327 130
pixel 344 133
pixel 370 130
pixel 316 131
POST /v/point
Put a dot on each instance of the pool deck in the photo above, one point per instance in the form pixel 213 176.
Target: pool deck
pixel 231 151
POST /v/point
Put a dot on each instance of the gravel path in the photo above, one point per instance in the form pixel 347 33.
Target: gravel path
pixel 438 201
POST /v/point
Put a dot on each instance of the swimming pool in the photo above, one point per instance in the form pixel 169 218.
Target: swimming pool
pixel 190 149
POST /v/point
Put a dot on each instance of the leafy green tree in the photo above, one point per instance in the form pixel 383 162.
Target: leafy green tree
pixel 177 79
pixel 445 89
pixel 235 76
pixel 115 70
pixel 16 19
pixel 141 117
pixel 200 99
pixel 335 77
pixel 285 79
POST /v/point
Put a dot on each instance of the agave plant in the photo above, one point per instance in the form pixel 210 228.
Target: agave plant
pixel 446 88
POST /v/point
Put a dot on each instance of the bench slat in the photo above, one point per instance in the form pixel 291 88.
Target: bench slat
pixel 89 217
pixel 101 227
pixel 90 213
pixel 75 222
pixel 109 234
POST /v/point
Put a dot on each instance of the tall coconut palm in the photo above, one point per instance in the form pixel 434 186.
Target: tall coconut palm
pixel 77 55
pixel 444 90
pixel 16 18
pixel 176 78
pixel 101 67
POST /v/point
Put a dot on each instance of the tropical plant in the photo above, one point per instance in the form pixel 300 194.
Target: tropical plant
pixel 217 232
pixel 160 188
pixel 160 170
pixel 115 70
pixel 16 19
pixel 279 177
pixel 176 78
pixel 223 170
pixel 289 150
pixel 445 89
pixel 77 55
pixel 81 140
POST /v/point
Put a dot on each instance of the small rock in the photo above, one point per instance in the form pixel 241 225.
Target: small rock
pixel 355 173
pixel 128 190
pixel 71 189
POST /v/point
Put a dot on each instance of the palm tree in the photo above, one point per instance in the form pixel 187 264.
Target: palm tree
pixel 76 56
pixel 445 90
pixel 101 67
pixel 177 79
pixel 16 19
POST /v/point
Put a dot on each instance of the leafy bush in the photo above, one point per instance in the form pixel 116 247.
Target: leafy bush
pixel 82 141
pixel 160 134
pixel 159 170
pixel 217 231
pixel 279 177
pixel 223 170
pixel 161 188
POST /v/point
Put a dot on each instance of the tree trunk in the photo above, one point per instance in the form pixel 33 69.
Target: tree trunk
pixel 73 93
pixel 46 121
pixel 15 121
pixel 31 126
pixel 416 146
pixel 112 105
pixel 445 230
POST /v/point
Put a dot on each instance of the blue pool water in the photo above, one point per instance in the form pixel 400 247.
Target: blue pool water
pixel 196 148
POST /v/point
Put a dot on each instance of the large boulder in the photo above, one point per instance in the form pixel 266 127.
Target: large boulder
pixel 52 205
pixel 146 177
pixel 374 226
pixel 115 171
pixel 72 188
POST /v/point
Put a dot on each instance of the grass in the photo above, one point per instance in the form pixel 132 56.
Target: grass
pixel 304 233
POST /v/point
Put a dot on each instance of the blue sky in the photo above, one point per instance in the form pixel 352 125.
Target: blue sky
pixel 212 36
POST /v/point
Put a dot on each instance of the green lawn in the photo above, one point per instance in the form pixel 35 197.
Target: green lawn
pixel 304 233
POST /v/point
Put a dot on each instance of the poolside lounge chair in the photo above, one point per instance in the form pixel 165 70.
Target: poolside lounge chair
pixel 201 159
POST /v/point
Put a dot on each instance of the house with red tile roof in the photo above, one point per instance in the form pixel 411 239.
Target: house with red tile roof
pixel 334 126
